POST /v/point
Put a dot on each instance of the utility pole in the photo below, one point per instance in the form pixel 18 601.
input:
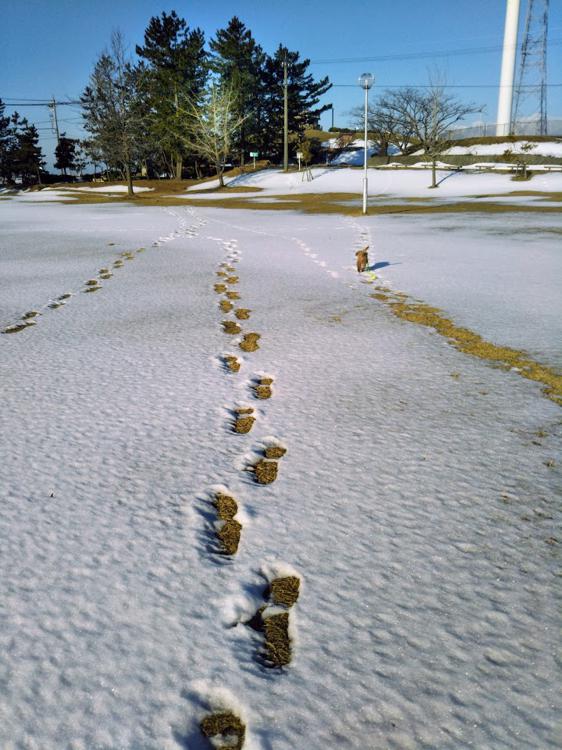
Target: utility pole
pixel 285 116
pixel 53 106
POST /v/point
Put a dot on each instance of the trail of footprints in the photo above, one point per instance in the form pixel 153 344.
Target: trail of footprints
pixel 31 317
pixel 272 617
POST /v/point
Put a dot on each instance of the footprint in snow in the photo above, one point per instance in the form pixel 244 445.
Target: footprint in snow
pixel 272 618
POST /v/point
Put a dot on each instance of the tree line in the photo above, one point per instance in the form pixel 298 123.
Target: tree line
pixel 185 108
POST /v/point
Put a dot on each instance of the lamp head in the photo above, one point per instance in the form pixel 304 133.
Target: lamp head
pixel 366 80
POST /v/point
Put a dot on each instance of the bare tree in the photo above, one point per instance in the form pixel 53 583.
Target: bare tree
pixel 211 126
pixel 427 118
pixel 111 110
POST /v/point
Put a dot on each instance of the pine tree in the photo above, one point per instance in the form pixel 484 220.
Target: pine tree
pixel 303 95
pixel 238 60
pixel 6 145
pixel 26 158
pixel 173 68
pixel 65 153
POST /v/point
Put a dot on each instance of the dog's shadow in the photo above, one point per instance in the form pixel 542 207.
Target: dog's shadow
pixel 382 264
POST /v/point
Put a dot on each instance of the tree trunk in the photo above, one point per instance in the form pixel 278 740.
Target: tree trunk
pixel 179 166
pixel 220 176
pixel 433 174
pixel 129 178
pixel 197 170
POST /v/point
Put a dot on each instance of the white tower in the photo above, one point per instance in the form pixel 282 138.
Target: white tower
pixel 505 98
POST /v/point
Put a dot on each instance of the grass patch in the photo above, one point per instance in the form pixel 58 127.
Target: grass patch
pixel 243 424
pixel 226 729
pixel 277 641
pixel 232 280
pixel 249 342
pixel 472 343
pixel 265 471
pixel 228 533
pixel 284 592
pixel 220 288
pixel 262 388
pixel 225 305
pixel 242 313
pixel 229 536
pixel 226 506
pixel 232 295
pixel 16 328
pixel 231 362
pixel 231 326
pixel 274 451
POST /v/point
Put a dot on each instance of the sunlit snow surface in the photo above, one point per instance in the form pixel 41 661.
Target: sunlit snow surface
pixel 415 499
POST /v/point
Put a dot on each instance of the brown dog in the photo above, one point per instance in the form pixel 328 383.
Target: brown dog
pixel 362 259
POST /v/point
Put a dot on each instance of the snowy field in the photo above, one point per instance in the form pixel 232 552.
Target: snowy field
pixel 419 499
pixel 390 184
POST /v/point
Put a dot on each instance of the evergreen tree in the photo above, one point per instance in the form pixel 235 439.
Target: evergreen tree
pixel 6 145
pixel 65 153
pixel 303 95
pixel 112 111
pixel 238 60
pixel 173 69
pixel 26 156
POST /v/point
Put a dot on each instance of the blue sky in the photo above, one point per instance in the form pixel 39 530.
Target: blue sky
pixel 48 47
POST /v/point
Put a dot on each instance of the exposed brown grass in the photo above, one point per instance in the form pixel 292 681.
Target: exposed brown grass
pixel 250 342
pixel 232 363
pixel 243 424
pixel 226 506
pixel 229 536
pixel 472 343
pixel 225 726
pixel 231 326
pixel 265 471
pixel 225 305
pixel 92 282
pixel 233 295
pixel 242 313
pixel 277 641
pixel 274 451
pixel 220 288
pixel 244 410
pixel 232 279
pixel 284 592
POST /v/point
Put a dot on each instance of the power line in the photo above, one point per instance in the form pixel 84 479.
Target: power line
pixel 440 86
pixel 418 55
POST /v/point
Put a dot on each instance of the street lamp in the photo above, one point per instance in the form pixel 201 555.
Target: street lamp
pixel 366 80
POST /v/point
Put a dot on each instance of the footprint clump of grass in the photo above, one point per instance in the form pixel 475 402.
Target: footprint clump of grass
pixel 225 730
pixel 232 279
pixel 232 295
pixel 230 529
pixel 220 288
pixel 242 313
pixel 17 327
pixel 262 388
pixel 231 362
pixel 92 285
pixel 273 619
pixel 225 305
pixel 118 264
pixel 274 451
pixel 244 420
pixel 231 326
pixel 249 342
pixel 265 471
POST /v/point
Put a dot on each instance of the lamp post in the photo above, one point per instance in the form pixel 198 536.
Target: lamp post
pixel 366 80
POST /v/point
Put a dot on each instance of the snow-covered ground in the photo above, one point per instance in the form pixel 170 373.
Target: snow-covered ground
pixel 418 500
pixel 388 183
pixel 540 148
